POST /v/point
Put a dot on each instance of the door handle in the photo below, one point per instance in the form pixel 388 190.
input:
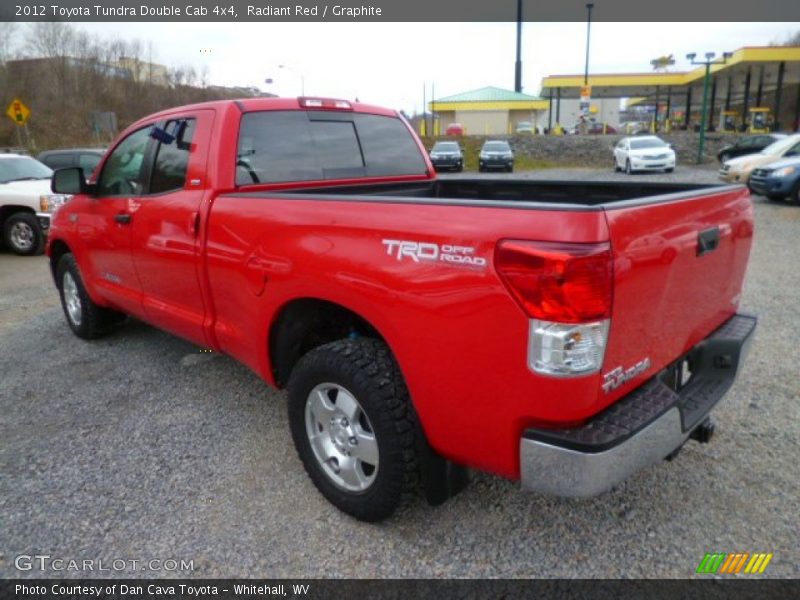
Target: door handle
pixel 123 218
pixel 707 241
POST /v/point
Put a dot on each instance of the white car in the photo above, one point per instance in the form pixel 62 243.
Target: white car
pixel 643 153
pixel 26 203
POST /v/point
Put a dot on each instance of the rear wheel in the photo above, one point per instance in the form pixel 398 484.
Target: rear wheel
pixel 23 234
pixel 353 426
pixel 86 319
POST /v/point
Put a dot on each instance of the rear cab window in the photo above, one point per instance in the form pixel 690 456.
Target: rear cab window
pixel 285 146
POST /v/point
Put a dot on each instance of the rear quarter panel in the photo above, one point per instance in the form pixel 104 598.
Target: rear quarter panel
pixel 459 338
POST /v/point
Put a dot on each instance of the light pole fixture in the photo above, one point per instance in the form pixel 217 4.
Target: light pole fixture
pixel 709 60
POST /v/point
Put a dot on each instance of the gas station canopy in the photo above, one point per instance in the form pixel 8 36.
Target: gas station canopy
pixel 750 74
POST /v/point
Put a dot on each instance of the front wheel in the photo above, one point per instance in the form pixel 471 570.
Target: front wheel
pixel 616 166
pixel 86 319
pixel 23 234
pixel 669 170
pixel 353 426
pixel 795 193
pixel 628 169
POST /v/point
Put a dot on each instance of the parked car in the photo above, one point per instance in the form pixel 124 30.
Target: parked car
pixel 496 154
pixel 454 129
pixel 748 145
pixel 85 158
pixel 643 153
pixel 738 170
pixel 524 127
pixel 777 180
pixel 26 203
pixel 420 325
pixel 596 128
pixel 447 155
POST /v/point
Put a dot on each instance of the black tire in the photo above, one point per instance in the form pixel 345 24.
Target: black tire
pixel 481 169
pixel 616 166
pixel 93 321
pixel 773 197
pixel 23 235
pixel 510 169
pixel 670 170
pixel 628 169
pixel 795 194
pixel 366 369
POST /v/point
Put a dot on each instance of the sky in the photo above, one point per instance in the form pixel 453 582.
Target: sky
pixel 389 63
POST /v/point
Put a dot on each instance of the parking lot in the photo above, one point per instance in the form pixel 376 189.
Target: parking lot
pixel 139 446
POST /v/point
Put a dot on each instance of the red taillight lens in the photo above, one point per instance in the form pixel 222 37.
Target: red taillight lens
pixel 560 282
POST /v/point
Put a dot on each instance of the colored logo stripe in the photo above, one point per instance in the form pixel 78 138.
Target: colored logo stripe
pixel 720 562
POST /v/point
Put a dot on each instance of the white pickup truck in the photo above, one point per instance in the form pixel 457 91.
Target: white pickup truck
pixel 26 203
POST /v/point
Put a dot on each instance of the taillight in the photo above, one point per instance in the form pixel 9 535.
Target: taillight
pixel 566 290
pixel 561 282
pixel 325 103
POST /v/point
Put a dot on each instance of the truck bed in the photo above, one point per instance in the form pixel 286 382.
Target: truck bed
pixel 513 193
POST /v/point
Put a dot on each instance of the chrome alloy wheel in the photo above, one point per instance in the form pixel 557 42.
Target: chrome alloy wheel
pixel 22 236
pixel 72 299
pixel 341 437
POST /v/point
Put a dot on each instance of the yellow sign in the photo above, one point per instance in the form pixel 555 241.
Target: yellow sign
pixel 586 93
pixel 18 112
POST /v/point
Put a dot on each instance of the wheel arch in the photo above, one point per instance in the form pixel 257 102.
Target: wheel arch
pixel 58 248
pixel 303 324
pixel 11 209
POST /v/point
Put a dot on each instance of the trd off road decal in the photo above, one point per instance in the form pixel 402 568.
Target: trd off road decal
pixel 430 252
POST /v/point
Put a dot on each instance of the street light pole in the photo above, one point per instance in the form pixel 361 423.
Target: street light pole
pixel 706 78
pixel 589 8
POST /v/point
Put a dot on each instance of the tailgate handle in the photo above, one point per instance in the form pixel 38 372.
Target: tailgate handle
pixel 707 241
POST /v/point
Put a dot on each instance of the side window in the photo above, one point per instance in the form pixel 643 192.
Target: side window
pixel 122 173
pixel 793 151
pixel 88 162
pixel 172 160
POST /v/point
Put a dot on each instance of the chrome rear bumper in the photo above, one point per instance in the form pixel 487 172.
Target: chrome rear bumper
pixel 640 429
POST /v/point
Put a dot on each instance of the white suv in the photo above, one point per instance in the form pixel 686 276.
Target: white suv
pixel 25 203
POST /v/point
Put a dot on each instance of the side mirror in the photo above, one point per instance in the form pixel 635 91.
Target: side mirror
pixel 69 181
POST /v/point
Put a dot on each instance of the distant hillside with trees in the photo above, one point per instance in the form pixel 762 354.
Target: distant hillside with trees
pixel 66 77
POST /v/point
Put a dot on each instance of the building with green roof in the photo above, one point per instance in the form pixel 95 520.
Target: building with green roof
pixel 489 110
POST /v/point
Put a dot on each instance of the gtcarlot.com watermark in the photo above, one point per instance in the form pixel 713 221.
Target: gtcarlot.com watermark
pixel 47 563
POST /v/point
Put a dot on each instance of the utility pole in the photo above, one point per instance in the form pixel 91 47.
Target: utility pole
pixel 518 64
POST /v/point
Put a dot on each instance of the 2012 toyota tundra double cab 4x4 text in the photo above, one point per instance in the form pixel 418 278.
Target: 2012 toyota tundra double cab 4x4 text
pixel 566 334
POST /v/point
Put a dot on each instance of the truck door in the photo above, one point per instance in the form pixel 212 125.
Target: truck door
pixel 105 227
pixel 166 243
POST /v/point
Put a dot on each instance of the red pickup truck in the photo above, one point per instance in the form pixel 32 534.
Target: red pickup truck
pixel 566 334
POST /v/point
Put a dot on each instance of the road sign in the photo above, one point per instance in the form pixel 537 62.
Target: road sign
pixel 586 93
pixel 18 112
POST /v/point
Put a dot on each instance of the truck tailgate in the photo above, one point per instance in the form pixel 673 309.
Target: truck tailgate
pixel 678 272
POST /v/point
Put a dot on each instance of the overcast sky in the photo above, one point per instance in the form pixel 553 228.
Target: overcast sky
pixel 388 63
